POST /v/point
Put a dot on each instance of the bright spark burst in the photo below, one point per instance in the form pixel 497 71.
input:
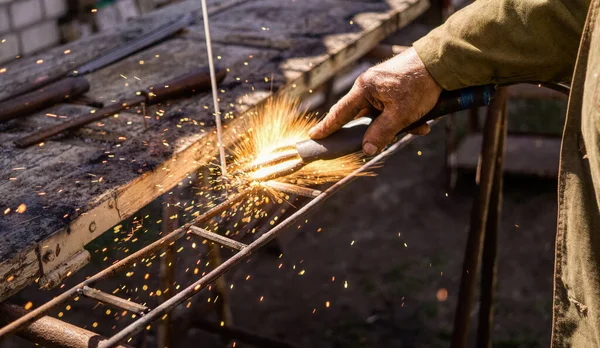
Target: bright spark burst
pixel 282 122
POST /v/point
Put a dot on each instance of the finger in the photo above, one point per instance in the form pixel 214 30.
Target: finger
pixel 420 130
pixel 344 111
pixel 364 113
pixel 381 132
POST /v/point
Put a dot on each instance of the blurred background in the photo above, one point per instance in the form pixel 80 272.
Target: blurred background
pixel 30 26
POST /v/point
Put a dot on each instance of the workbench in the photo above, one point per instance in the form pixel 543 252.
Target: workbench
pixel 58 196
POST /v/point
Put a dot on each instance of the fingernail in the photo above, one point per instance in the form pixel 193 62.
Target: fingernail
pixel 312 132
pixel 369 149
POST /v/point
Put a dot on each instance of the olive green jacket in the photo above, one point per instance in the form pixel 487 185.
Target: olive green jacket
pixel 502 41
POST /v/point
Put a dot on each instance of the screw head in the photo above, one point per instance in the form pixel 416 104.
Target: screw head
pixel 48 256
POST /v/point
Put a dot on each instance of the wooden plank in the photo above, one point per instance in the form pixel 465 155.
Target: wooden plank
pixel 525 154
pixel 180 137
pixel 60 60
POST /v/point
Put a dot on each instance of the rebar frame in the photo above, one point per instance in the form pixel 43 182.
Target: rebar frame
pixel 192 228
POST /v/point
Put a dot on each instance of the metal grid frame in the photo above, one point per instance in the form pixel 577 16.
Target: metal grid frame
pixel 147 315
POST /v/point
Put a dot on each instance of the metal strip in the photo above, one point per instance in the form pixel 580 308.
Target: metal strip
pixel 113 300
pixel 217 238
pixel 293 189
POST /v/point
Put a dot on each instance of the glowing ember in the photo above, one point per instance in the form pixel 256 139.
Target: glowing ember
pixel 21 208
pixel 442 294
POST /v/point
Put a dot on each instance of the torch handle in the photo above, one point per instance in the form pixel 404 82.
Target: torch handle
pixel 349 139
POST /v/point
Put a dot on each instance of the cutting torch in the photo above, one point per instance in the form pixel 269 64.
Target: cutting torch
pixel 289 159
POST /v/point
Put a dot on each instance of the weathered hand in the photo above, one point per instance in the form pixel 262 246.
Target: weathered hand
pixel 401 89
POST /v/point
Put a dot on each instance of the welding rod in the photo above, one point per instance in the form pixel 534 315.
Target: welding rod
pixel 193 82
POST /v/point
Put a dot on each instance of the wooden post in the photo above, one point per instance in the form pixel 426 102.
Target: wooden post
pixel 224 310
pixel 214 254
pixel 170 221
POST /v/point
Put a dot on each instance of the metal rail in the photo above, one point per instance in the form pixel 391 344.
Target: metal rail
pixel 112 270
pixel 245 251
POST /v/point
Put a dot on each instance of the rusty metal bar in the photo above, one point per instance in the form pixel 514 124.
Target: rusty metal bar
pixel 479 217
pixel 217 238
pixel 263 240
pixel 151 248
pixel 490 243
pixel 113 300
pixel 292 189
pixel 51 332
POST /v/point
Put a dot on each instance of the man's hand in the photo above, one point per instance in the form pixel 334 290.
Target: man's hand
pixel 401 89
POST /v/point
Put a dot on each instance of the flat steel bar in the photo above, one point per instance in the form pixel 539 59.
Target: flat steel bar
pixel 479 217
pixel 292 189
pixel 51 332
pixel 113 300
pixel 262 241
pixel 217 238
pixel 151 248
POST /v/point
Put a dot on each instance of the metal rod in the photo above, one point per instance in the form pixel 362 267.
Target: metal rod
pixel 51 332
pixel 292 189
pixel 213 79
pixel 490 243
pixel 479 216
pixel 113 300
pixel 217 238
pixel 157 245
pixel 263 240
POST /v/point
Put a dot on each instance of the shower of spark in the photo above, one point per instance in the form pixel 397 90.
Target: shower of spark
pixel 281 122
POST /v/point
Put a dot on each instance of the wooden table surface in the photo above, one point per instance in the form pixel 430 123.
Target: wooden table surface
pixel 79 185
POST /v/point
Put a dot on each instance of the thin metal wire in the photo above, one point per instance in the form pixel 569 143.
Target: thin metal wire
pixel 213 82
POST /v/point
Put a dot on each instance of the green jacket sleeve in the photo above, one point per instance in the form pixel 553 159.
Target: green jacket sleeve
pixel 502 41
